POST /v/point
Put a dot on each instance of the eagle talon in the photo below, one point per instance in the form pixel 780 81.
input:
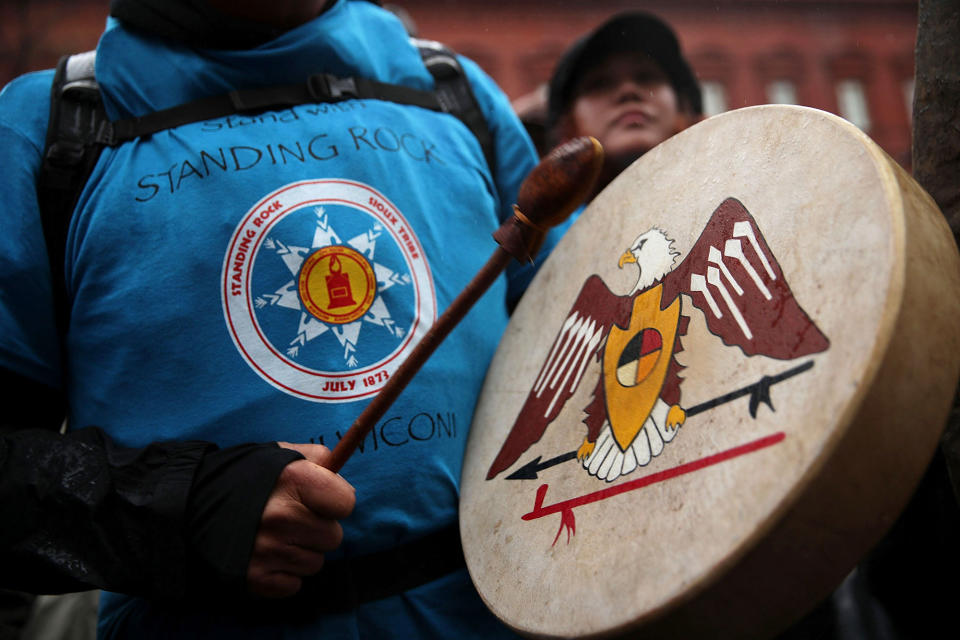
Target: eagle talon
pixel 585 450
pixel 676 417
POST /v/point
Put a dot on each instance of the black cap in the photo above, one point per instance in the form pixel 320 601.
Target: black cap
pixel 630 32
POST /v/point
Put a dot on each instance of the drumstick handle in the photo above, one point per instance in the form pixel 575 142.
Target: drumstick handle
pixel 547 196
pixel 431 340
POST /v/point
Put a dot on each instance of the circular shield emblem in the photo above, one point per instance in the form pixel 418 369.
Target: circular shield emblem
pixel 326 289
pixel 639 357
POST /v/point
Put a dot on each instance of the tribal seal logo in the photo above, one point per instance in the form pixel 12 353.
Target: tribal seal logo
pixel 326 289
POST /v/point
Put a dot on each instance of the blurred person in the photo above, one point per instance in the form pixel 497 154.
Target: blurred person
pixel 628 85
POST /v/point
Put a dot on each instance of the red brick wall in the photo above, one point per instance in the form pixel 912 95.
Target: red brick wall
pixel 35 33
pixel 742 43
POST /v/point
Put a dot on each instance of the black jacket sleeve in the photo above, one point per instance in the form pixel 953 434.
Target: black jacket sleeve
pixel 169 520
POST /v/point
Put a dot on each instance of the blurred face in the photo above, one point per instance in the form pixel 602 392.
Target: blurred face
pixel 627 103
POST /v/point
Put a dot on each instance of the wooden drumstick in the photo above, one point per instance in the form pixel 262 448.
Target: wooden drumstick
pixel 555 187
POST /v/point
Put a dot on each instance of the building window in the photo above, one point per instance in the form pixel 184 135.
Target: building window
pixel 782 72
pixel 852 103
pixel 714 97
pixel 781 92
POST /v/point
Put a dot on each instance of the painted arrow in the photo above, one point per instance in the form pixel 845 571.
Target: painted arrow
pixel 529 470
pixel 758 391
pixel 565 508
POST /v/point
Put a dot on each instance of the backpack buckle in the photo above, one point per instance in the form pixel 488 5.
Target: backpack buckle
pixel 325 87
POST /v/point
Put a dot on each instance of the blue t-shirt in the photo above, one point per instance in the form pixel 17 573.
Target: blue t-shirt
pixel 258 278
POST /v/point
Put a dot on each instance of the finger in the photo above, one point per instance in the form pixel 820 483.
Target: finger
pixel 323 492
pixel 273 584
pixel 286 558
pixel 297 525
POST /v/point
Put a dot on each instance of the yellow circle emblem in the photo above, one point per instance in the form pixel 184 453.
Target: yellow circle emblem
pixel 337 284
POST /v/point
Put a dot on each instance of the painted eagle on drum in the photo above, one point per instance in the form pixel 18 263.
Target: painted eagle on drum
pixel 730 274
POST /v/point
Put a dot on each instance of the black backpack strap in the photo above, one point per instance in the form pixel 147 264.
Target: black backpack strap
pixel 321 87
pixel 76 135
pixel 454 92
pixel 452 95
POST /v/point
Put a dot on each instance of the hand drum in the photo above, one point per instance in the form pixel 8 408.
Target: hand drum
pixel 719 391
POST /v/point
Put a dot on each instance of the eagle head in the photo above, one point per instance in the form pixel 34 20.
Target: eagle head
pixel 654 256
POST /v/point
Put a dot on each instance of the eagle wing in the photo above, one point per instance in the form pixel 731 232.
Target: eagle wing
pixel 733 277
pixel 581 338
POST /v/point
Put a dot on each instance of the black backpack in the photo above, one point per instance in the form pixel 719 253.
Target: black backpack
pixel 79 129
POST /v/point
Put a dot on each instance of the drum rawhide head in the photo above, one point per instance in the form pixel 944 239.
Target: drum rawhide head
pixel 719 391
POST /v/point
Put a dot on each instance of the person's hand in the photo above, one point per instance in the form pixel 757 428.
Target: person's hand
pixel 299 524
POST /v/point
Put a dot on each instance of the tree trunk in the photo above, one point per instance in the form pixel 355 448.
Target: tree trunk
pixel 936 142
pixel 936 106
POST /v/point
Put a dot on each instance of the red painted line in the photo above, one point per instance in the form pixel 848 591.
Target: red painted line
pixel 539 511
